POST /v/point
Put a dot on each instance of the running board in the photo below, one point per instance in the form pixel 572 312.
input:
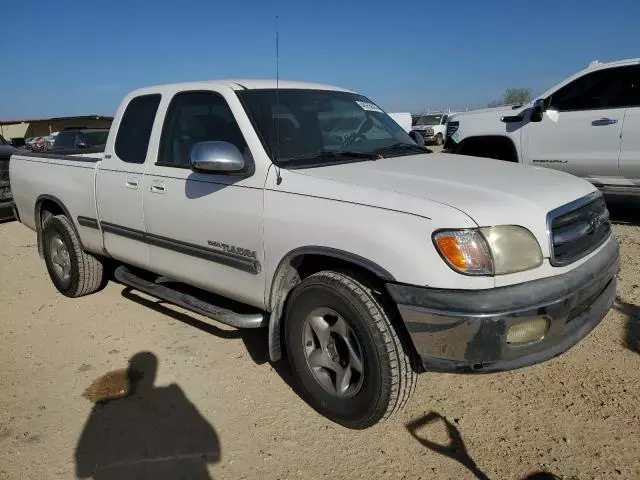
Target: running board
pixel 222 315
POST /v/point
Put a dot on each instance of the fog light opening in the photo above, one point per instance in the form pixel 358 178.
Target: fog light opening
pixel 527 331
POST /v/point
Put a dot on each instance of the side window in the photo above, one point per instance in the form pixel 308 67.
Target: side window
pixel 601 89
pixel 195 117
pixel 632 86
pixel 135 128
pixel 444 119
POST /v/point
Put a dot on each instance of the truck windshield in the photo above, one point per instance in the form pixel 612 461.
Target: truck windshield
pixel 303 128
pixel 429 120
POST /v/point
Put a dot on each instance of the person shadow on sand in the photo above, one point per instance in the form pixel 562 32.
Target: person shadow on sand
pixel 138 431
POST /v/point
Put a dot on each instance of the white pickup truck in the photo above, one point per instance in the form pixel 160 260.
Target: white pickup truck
pixel 368 258
pixel 588 125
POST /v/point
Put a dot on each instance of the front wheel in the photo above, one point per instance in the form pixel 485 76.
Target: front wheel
pixel 439 139
pixel 349 361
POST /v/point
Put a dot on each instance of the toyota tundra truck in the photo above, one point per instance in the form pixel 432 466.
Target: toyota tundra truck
pixel 310 212
pixel 588 125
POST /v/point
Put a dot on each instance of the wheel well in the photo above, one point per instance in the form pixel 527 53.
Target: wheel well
pixel 294 269
pixel 46 206
pixel 491 146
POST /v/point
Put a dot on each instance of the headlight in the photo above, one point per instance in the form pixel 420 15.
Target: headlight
pixel 489 250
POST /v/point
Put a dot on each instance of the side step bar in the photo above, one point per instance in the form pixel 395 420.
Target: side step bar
pixel 222 315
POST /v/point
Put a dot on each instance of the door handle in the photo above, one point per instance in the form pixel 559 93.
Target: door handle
pixel 132 183
pixel 604 121
pixel 157 188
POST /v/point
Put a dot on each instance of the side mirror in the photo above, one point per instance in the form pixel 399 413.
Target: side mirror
pixel 81 144
pixel 417 137
pixel 538 109
pixel 220 157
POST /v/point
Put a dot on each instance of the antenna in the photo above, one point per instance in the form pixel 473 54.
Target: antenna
pixel 277 112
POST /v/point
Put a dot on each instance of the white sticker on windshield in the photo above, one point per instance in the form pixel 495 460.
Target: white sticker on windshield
pixel 369 107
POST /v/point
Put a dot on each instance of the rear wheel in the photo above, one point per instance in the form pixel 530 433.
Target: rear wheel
pixel 73 271
pixel 349 361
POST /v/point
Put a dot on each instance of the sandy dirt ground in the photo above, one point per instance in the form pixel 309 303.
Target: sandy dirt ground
pixel 577 415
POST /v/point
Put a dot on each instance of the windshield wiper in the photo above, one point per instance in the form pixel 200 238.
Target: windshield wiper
pixel 403 146
pixel 327 157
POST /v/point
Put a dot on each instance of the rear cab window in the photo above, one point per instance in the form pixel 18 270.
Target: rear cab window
pixel 134 132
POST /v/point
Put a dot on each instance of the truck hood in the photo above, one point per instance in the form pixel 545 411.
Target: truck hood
pixel 491 192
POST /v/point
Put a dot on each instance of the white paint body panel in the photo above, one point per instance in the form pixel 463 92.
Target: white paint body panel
pixel 384 211
pixel 607 155
pixel 403 119
pixel 630 147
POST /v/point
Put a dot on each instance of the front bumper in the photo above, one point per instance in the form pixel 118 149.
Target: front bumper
pixel 466 330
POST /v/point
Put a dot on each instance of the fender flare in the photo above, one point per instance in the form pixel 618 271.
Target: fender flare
pixel 38 218
pixel 286 278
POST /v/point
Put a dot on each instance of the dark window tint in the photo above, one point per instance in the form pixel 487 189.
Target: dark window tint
pixel 195 117
pixel 444 119
pixel 632 86
pixel 601 89
pixel 95 138
pixel 65 140
pixel 135 128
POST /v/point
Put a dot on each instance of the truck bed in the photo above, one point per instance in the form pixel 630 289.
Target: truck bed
pixel 68 179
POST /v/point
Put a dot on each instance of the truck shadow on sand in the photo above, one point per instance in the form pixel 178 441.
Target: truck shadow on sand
pixel 623 210
pixel 140 431
pixel 256 340
pixel 632 329
pixel 455 449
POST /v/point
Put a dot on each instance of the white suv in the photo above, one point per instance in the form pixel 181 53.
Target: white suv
pixel 588 125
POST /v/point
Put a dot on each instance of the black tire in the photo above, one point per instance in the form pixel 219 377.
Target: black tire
pixel 86 272
pixel 439 139
pixel 389 377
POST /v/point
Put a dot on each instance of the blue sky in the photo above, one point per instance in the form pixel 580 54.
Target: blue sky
pixel 79 57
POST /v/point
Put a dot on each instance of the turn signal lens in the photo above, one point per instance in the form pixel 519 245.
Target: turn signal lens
pixel 466 251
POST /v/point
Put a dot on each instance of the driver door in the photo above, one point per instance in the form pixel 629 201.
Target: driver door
pixel 580 131
pixel 204 229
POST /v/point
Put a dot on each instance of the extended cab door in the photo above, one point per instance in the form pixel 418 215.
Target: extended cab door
pixel 630 147
pixel 119 183
pixel 205 229
pixel 580 131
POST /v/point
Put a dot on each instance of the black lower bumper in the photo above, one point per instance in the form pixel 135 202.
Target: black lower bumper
pixel 466 330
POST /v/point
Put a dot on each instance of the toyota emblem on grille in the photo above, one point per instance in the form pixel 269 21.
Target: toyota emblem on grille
pixel 595 223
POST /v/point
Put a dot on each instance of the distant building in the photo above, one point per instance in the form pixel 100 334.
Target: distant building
pixel 41 127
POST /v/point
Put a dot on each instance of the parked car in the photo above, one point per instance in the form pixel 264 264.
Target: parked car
pixel 432 127
pixel 6 199
pixel 588 125
pixel 367 258
pixel 49 140
pixel 18 142
pixel 80 138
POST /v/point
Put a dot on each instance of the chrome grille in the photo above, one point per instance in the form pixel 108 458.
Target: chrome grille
pixel 452 127
pixel 578 228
